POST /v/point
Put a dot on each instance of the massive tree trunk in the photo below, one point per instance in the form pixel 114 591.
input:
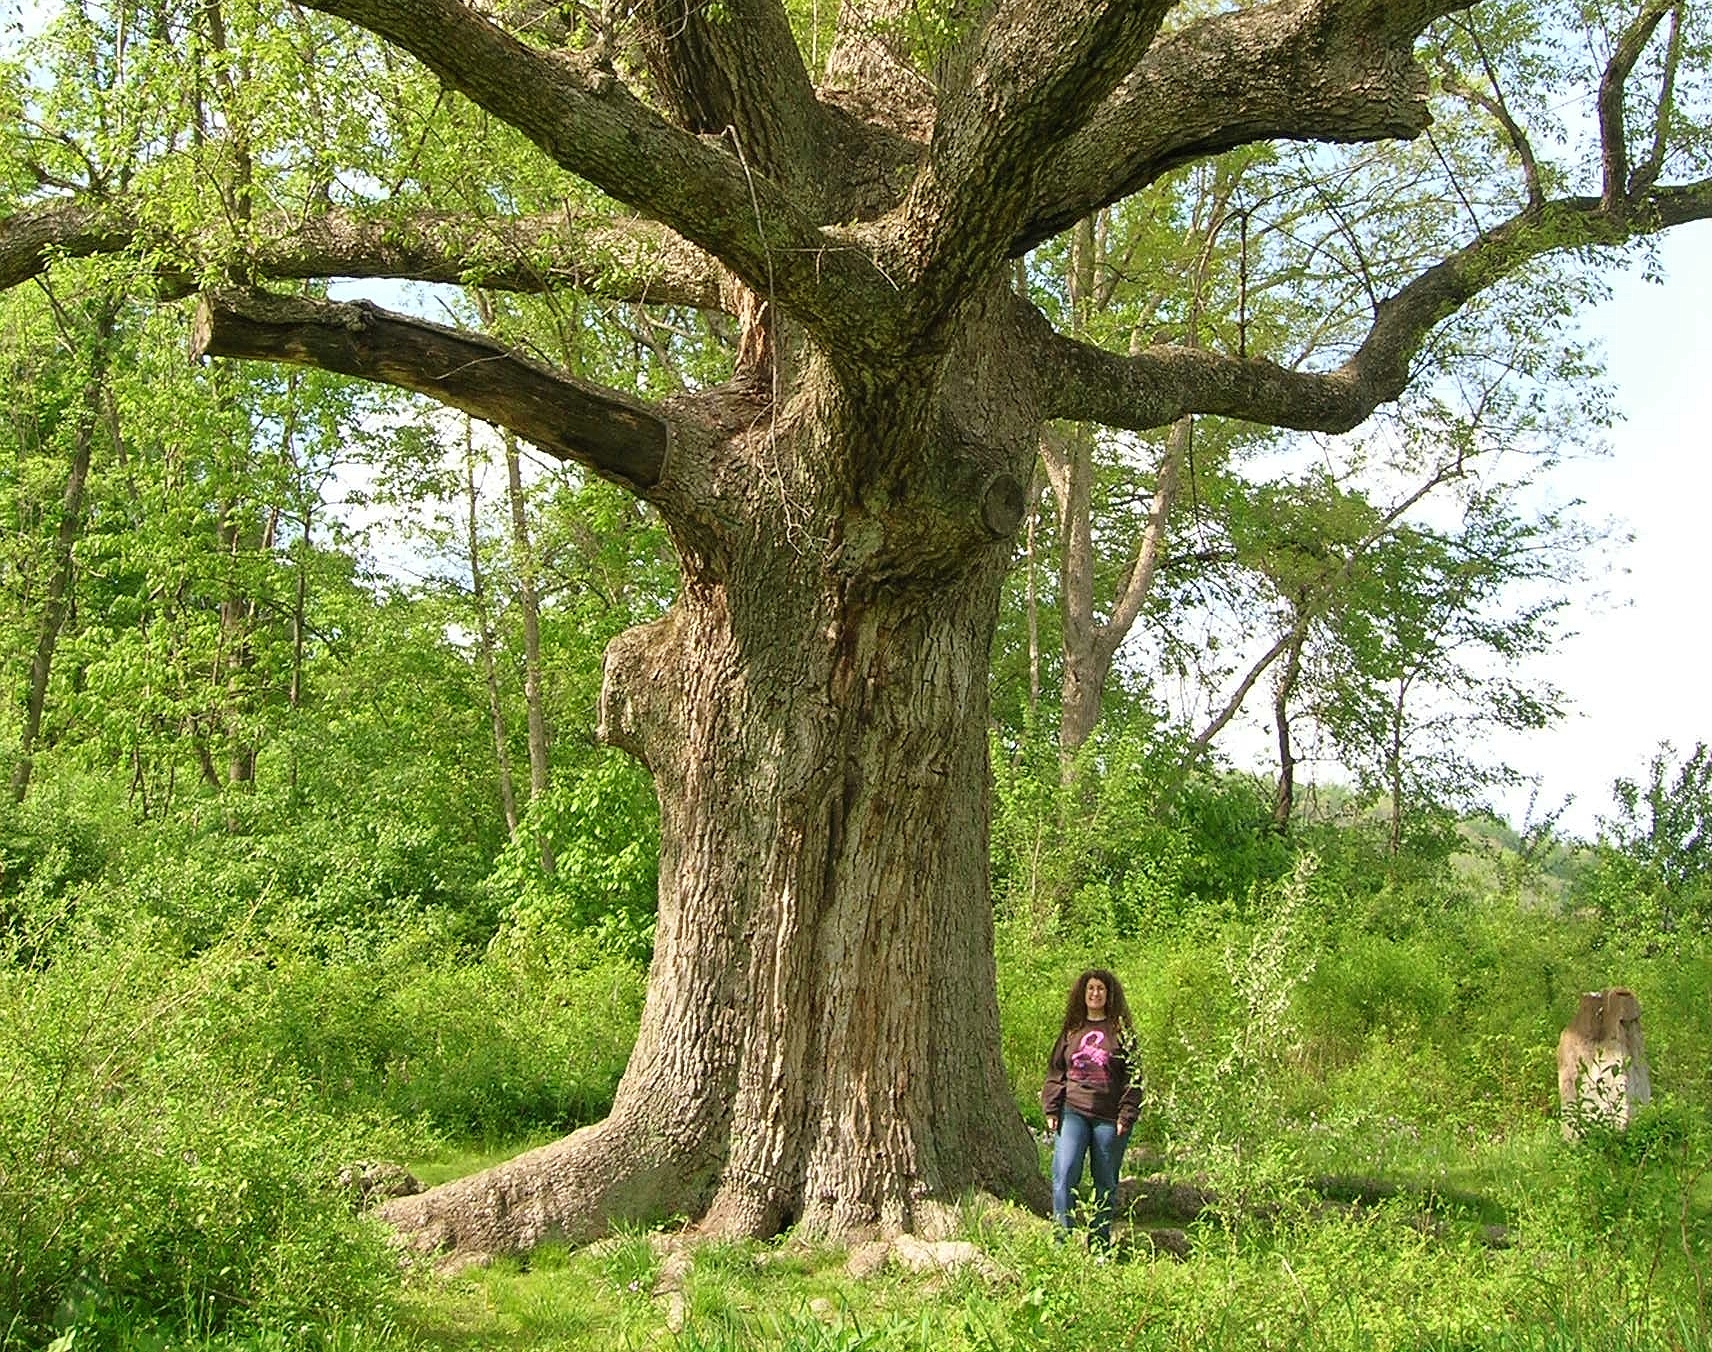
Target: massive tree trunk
pixel 820 1040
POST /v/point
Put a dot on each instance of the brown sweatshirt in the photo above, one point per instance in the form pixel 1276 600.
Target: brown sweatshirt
pixel 1090 1072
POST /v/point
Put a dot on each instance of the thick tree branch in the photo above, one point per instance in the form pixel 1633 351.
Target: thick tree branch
pixel 1035 73
pixel 1322 70
pixel 1161 384
pixel 609 432
pixel 626 260
pixel 634 260
pixel 31 238
pixel 736 70
pixel 1613 135
pixel 869 70
pixel 586 120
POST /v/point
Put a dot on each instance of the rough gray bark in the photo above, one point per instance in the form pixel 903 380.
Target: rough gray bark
pixel 820 1044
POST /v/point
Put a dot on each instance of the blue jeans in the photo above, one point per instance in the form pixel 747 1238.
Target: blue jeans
pixel 1098 1141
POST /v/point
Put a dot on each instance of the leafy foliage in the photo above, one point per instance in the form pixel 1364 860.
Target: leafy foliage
pixel 1651 876
pixel 155 1175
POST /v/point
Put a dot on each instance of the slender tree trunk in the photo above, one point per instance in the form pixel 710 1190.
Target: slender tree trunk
pixel 300 589
pixel 1084 671
pixel 237 657
pixel 306 501
pixel 1284 803
pixel 1394 769
pixel 1033 603
pixel 56 602
pixel 484 642
pixel 528 601
pixel 1091 645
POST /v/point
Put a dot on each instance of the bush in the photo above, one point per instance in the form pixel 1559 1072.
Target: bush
pixel 526 1040
pixel 152 1174
pixel 604 826
pixel 53 848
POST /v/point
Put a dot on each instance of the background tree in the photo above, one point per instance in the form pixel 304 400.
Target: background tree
pixel 1434 646
pixel 1651 872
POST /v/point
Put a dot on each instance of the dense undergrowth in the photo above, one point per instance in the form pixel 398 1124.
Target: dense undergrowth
pixel 1354 1056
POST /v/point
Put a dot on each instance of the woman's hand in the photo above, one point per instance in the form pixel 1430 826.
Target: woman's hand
pixel 1052 1124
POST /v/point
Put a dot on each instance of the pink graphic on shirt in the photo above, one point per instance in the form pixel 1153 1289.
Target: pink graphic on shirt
pixel 1090 1061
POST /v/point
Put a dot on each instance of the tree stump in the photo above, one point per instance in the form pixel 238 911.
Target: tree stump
pixel 1602 1072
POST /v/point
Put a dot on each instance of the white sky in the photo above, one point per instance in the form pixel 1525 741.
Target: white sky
pixel 1637 669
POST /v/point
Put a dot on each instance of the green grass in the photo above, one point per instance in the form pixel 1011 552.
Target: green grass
pixel 1282 1050
pixel 453 1161
pixel 1603 1248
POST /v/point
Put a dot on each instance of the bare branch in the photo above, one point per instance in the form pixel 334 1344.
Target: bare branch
pixel 634 259
pixel 1493 106
pixel 1307 609
pixel 1330 70
pixel 609 432
pixel 1233 706
pixel 1160 384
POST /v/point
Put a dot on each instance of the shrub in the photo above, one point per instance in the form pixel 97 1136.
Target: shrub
pixel 152 1174
pixel 604 825
pixel 531 1038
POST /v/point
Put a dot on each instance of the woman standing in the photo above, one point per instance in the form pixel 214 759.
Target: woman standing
pixel 1092 1095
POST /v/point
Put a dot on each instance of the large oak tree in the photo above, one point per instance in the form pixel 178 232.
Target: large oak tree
pixel 820 1040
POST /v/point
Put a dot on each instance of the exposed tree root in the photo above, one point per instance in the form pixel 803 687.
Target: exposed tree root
pixel 573 1189
pixel 576 1188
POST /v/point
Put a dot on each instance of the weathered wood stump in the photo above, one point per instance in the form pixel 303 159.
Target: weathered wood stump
pixel 1602 1072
